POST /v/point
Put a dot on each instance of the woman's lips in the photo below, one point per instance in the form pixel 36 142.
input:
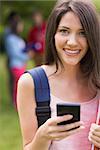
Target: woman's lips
pixel 71 52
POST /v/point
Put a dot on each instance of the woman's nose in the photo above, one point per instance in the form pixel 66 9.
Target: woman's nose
pixel 72 41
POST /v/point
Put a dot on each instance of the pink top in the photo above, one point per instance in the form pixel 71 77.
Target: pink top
pixel 78 141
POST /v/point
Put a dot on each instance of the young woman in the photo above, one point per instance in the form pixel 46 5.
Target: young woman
pixel 73 69
pixel 14 45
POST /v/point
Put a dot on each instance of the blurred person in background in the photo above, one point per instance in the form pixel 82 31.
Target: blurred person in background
pixel 14 45
pixel 36 37
pixel 12 17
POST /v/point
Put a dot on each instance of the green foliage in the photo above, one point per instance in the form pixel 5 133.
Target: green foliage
pixel 25 8
pixel 97 3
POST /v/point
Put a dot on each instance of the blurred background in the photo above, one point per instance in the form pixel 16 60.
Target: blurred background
pixel 29 53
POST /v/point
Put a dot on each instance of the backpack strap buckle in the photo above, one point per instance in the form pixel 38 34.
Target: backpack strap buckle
pixel 43 113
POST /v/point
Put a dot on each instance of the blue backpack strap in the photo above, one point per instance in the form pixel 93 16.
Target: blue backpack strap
pixel 42 94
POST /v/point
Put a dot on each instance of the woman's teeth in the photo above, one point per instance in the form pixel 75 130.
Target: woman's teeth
pixel 72 51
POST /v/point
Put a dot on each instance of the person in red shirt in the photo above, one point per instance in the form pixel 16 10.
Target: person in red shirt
pixel 36 37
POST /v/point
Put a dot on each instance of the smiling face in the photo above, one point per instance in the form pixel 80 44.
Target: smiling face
pixel 70 40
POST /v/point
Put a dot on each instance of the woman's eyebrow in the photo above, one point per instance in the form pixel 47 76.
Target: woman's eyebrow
pixel 64 27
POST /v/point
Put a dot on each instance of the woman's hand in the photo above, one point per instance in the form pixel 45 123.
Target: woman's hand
pixel 94 135
pixel 51 131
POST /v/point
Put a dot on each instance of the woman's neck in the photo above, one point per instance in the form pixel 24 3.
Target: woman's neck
pixel 69 72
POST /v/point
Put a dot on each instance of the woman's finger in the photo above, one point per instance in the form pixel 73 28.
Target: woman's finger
pixel 58 119
pixel 62 135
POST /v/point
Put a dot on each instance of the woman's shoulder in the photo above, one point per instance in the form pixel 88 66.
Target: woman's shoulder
pixel 26 81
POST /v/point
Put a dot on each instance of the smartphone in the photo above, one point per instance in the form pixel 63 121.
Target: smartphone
pixel 70 109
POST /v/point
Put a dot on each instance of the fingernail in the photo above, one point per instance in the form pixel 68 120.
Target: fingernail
pixel 69 116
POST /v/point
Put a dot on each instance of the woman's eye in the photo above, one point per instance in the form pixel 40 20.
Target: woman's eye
pixel 63 31
pixel 82 33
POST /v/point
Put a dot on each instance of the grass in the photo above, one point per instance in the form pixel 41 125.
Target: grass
pixel 10 135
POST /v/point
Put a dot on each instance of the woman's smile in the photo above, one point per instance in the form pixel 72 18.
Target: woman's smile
pixel 71 52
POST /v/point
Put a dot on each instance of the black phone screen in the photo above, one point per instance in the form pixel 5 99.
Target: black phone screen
pixel 72 109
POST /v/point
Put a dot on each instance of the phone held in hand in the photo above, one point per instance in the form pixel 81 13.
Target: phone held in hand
pixel 69 109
